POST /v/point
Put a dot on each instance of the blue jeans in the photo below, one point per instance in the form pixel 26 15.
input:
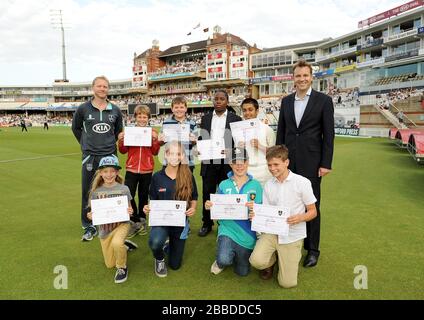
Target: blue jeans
pixel 157 238
pixel 230 253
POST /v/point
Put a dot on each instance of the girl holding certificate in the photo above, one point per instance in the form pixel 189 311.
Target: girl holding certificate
pixel 107 183
pixel 256 149
pixel 139 170
pixel 174 182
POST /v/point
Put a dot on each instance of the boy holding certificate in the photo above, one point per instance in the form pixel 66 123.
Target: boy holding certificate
pixel 285 189
pixel 236 240
pixel 174 182
pixel 256 148
pixel 107 183
pixel 179 117
pixel 139 170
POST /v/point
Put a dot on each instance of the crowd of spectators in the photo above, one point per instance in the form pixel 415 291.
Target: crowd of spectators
pixel 14 120
pixel 385 100
pixel 345 98
pixel 180 67
pixel 176 87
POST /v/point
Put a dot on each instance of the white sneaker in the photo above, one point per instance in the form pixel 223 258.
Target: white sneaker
pixel 215 269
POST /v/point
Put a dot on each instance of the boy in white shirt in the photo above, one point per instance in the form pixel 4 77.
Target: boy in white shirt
pixel 257 147
pixel 289 190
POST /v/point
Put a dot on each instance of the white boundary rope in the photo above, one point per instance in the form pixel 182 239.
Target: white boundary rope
pixel 39 158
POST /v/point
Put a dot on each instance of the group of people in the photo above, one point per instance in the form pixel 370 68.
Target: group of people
pixel 279 170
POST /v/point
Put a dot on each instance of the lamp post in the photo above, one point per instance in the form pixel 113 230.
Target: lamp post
pixel 57 23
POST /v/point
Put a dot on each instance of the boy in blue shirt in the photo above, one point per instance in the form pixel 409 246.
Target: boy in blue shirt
pixel 236 240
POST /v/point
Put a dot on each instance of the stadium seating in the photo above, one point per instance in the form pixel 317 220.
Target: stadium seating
pixel 399 78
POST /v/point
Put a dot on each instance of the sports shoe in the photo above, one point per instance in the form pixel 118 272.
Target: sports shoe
pixel 215 269
pixel 160 268
pixel 89 233
pixel 121 275
pixel 131 246
pixel 134 229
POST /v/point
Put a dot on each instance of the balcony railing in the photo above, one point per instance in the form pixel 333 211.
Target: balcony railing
pixel 336 54
pixel 401 35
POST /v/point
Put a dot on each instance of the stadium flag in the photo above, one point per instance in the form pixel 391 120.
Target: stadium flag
pixel 206 30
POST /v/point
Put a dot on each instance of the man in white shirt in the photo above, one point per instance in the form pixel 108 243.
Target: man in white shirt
pixel 285 189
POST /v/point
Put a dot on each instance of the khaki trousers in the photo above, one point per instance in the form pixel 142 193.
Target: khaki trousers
pixel 289 255
pixel 113 247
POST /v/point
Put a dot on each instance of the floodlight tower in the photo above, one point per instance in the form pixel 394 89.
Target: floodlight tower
pixel 57 23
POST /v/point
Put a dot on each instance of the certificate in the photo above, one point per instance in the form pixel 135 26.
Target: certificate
pixel 110 210
pixel 138 136
pixel 167 213
pixel 244 131
pixel 229 207
pixel 211 149
pixel 270 219
pixel 177 132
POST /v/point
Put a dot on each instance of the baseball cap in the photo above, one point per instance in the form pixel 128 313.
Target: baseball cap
pixel 239 154
pixel 109 161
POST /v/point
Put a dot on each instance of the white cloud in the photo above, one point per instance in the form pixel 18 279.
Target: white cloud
pixel 103 35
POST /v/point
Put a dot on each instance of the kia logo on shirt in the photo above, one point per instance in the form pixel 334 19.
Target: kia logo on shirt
pixel 101 128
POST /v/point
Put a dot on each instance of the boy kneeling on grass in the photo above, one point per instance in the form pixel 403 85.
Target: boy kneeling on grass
pixel 236 240
pixel 289 190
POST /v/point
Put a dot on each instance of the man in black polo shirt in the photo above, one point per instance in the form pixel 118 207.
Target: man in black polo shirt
pixel 96 125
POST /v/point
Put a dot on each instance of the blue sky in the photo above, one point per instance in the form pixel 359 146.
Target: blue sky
pixel 104 35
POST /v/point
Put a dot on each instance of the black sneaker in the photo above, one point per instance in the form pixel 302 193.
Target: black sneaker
pixel 89 233
pixel 203 232
pixel 131 246
pixel 160 268
pixel 121 275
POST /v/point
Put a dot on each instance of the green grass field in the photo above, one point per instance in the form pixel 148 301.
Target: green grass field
pixel 372 215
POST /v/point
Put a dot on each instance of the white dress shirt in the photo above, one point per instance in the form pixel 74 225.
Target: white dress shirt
pixel 218 125
pixel 294 192
pixel 300 106
pixel 258 166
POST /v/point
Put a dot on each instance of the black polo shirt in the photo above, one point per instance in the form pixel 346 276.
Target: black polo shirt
pixel 162 187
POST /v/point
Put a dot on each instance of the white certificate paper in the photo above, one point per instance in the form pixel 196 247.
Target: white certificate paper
pixel 229 207
pixel 176 132
pixel 211 149
pixel 167 213
pixel 244 131
pixel 270 219
pixel 138 136
pixel 110 210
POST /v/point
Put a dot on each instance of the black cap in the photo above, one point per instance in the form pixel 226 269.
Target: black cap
pixel 239 154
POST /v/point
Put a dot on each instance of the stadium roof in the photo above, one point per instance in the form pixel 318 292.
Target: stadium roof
pixel 184 48
pixel 142 55
pixel 299 45
pixel 222 38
